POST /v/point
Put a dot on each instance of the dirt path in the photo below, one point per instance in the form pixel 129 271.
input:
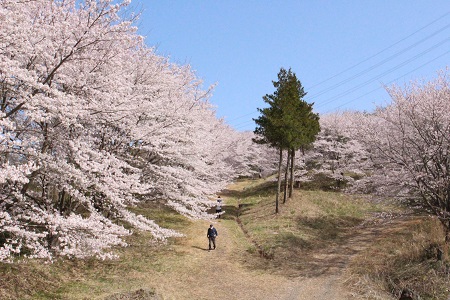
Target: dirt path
pixel 218 274
pixel 224 273
pixel 327 268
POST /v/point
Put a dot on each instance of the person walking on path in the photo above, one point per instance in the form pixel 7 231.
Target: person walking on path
pixel 211 235
pixel 219 207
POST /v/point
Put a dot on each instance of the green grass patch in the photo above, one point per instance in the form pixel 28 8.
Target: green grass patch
pixel 326 228
pixel 321 182
pixel 162 215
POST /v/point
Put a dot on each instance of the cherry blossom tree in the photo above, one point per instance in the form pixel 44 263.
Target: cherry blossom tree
pixel 42 56
pixel 409 142
pixel 91 122
pixel 401 150
pixel 337 153
pixel 248 159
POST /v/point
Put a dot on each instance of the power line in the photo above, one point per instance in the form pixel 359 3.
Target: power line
pixel 240 117
pixel 243 124
pixel 384 73
pixel 385 49
pixel 392 81
pixel 372 67
pixel 379 64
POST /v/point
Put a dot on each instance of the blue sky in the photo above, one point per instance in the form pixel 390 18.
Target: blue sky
pixel 343 52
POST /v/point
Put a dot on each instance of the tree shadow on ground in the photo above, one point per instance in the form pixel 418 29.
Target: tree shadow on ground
pixel 230 212
pixel 264 188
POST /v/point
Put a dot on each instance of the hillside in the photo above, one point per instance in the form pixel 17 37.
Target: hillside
pixel 322 245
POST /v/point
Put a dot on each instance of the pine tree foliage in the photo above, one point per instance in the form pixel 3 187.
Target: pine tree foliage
pixel 288 123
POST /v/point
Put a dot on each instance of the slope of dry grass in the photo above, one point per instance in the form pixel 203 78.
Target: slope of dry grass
pixel 403 256
pixel 320 245
pixel 379 248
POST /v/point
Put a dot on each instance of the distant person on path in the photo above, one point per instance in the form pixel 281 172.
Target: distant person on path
pixel 211 235
pixel 219 207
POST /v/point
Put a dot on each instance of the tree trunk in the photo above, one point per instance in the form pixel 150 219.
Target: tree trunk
pixel 30 180
pixel 279 180
pixel 286 174
pixel 446 243
pixel 291 180
pixel 61 195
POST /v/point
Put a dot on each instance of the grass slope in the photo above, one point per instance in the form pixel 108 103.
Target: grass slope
pixel 320 244
pixel 378 248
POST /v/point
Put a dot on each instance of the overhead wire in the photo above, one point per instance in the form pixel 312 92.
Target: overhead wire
pixel 441 29
pixel 242 125
pixel 240 117
pixel 383 74
pixel 379 64
pixel 381 51
pixel 390 82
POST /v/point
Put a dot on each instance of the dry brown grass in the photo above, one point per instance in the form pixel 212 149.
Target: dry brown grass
pixel 404 256
pixel 316 241
pixel 318 233
pixel 180 269
pixel 92 278
pixel 310 224
pixel 18 281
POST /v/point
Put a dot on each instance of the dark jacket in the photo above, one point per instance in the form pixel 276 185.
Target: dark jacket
pixel 212 232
